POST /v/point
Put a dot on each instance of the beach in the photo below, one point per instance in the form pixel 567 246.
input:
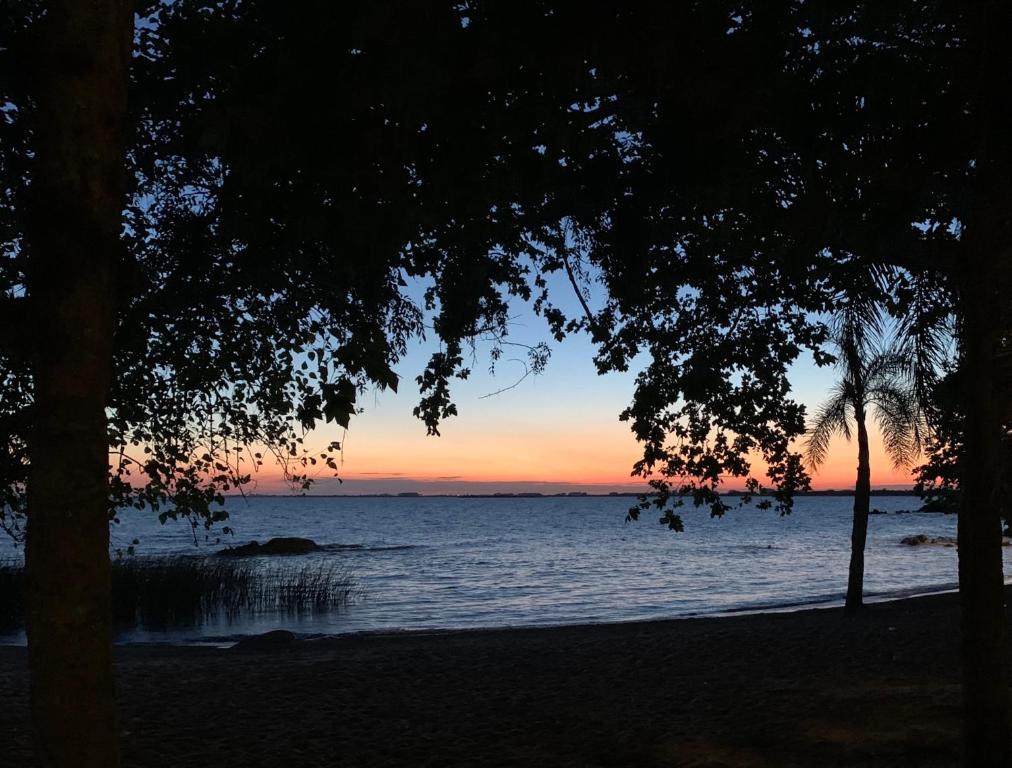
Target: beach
pixel 806 688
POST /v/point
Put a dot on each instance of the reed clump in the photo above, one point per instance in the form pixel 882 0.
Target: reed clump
pixel 185 590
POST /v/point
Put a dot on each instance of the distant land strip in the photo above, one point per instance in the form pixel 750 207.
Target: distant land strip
pixel 538 495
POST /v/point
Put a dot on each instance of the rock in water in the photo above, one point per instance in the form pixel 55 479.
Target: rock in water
pixel 921 538
pixel 941 541
pixel 283 545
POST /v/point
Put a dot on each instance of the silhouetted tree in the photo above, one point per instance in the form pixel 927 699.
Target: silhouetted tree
pixel 225 269
pixel 924 149
pixel 938 479
pixel 59 312
pixel 872 383
pixel 868 140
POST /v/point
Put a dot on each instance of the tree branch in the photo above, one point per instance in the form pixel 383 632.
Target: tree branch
pixel 576 289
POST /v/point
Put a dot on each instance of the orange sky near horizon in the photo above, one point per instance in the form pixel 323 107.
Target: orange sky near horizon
pixel 579 463
pixel 595 454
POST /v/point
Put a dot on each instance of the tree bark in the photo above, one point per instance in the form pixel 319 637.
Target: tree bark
pixel 74 222
pixel 862 502
pixel 981 581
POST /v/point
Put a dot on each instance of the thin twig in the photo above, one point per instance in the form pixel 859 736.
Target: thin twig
pixel 515 384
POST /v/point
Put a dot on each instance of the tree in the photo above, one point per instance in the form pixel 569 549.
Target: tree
pixel 938 478
pixel 946 70
pixel 72 232
pixel 870 382
pixel 230 263
pixel 840 160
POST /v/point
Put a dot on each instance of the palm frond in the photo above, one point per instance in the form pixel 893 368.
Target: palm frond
pixel 925 332
pixel 890 366
pixel 897 415
pixel 860 322
pixel 830 418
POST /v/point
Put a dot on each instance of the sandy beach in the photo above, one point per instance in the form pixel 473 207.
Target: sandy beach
pixel 810 688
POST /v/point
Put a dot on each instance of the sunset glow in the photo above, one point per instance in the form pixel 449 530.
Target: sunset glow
pixel 558 432
pixel 598 462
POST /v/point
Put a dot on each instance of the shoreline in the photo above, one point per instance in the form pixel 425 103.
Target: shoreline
pixel 226 641
pixel 797 688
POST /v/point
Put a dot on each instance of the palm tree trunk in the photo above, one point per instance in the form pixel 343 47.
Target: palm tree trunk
pixel 862 501
pixel 72 243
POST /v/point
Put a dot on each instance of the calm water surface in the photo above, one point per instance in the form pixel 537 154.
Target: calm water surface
pixel 437 563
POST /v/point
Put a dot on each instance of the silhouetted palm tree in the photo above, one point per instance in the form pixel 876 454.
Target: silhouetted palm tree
pixel 873 381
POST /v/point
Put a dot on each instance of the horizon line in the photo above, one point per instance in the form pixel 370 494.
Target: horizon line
pixel 895 491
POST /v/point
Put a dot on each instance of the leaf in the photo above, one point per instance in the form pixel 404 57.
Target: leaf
pixel 339 401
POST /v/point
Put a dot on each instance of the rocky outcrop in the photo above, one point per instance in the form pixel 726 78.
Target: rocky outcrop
pixel 921 539
pixel 940 541
pixel 283 545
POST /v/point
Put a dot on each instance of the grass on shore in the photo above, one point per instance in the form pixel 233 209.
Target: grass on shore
pixel 184 590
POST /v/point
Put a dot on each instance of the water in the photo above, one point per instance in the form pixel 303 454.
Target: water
pixel 438 563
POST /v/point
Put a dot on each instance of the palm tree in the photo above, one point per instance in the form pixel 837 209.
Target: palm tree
pixel 873 381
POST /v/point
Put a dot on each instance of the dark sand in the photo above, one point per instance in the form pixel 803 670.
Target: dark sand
pixel 812 688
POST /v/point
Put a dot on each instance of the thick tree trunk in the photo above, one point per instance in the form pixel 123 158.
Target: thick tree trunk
pixel 73 239
pixel 862 502
pixel 981 581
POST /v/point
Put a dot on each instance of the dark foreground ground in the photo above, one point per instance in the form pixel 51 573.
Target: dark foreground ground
pixel 813 688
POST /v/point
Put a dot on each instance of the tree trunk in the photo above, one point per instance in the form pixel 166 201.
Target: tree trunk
pixel 862 502
pixel 981 581
pixel 72 243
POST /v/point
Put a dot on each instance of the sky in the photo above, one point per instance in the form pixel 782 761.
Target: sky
pixel 551 433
